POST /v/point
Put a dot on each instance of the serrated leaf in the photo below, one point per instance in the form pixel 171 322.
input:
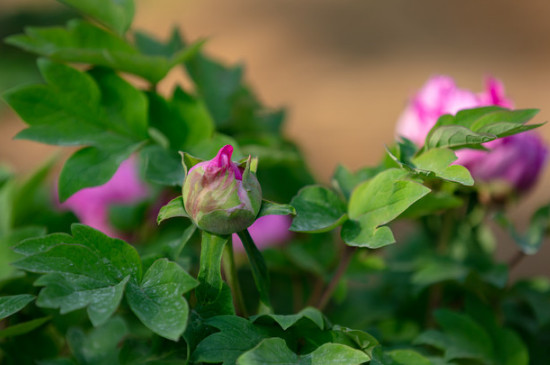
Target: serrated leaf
pixel 377 202
pixel 275 351
pixel 272 208
pixel 174 208
pixel 439 162
pixel 91 166
pixel 90 270
pixel 13 303
pixel 158 302
pixel 236 336
pixel 117 15
pixel 288 320
pixel 318 209
pixel 83 42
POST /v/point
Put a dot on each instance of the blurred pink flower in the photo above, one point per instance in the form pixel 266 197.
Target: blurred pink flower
pixel 91 205
pixel 517 160
pixel 269 230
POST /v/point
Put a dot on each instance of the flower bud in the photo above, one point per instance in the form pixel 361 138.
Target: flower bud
pixel 220 196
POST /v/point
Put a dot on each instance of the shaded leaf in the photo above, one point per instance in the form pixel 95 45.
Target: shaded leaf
pixel 318 209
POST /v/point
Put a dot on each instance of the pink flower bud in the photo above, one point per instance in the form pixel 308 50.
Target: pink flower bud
pixel 517 160
pixel 220 196
pixel 91 205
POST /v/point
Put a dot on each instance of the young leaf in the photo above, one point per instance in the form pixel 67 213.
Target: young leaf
pixel 377 202
pixel 158 300
pixel 318 209
pixel 13 304
pixel 117 15
pixel 88 269
pixel 439 162
pixel 272 208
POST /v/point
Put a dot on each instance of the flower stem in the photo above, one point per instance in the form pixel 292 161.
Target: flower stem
pixel 345 259
pixel 258 266
pixel 230 269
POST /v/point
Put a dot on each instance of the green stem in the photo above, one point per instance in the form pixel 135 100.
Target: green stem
pixel 230 269
pixel 259 268
pixel 210 277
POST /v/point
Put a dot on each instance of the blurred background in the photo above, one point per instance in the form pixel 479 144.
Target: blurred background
pixel 344 69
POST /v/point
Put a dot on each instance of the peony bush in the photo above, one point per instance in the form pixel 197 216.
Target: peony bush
pixel 187 228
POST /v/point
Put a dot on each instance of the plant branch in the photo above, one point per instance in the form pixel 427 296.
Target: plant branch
pixel 345 260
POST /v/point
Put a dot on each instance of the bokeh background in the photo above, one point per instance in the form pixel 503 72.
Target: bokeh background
pixel 343 68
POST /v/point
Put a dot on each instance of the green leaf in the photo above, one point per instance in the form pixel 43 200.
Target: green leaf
pixel 275 351
pixel 258 266
pixel 158 301
pixel 88 269
pixel 83 42
pixel 23 328
pixel 13 303
pixel 100 346
pixel 438 161
pixel 211 292
pixel 163 166
pixel 285 321
pixel 376 202
pixel 236 336
pixel 117 15
pixel 462 338
pixel 174 208
pixel 272 208
pixel 398 357
pixel 455 136
pixel 438 270
pixel 435 202
pixel 91 166
pixel 318 209
pixel 531 241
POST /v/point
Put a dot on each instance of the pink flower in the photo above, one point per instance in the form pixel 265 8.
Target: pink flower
pixel 91 205
pixel 517 160
pixel 269 230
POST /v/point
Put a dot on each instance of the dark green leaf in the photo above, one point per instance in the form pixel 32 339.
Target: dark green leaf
pixel 236 336
pixel 91 166
pixel 83 42
pixel 318 209
pixel 258 266
pixel 88 269
pixel 23 328
pixel 275 351
pixel 399 357
pixel 116 15
pixel 163 166
pixel 13 304
pixel 271 208
pixel 158 300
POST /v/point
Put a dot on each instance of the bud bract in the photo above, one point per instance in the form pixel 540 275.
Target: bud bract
pixel 221 196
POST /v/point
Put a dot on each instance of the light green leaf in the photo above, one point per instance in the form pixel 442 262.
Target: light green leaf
pixel 288 320
pixel 272 208
pixel 158 300
pixel 456 136
pixel 438 161
pixel 174 208
pixel 117 15
pixel 275 351
pixel 376 202
pixel 13 303
pixel 318 209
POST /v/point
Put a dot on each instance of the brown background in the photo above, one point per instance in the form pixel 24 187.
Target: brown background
pixel 345 68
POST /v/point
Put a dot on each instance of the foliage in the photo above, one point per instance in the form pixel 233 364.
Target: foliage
pixel 171 293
